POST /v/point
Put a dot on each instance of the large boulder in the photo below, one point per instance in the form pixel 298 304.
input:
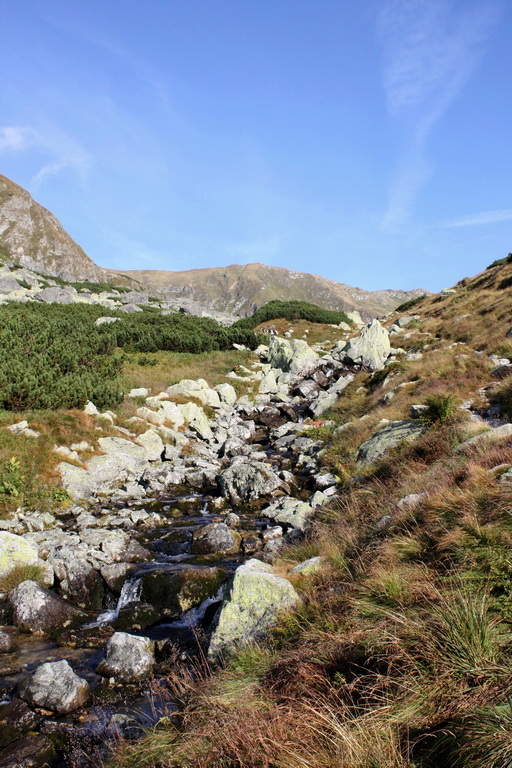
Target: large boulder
pixel 391 436
pixel 128 657
pixel 197 420
pixel 16 552
pixel 247 480
pixel 174 589
pixel 370 350
pixel 293 355
pixel 255 597
pixel 55 295
pixel 152 444
pixel 36 609
pixel 55 686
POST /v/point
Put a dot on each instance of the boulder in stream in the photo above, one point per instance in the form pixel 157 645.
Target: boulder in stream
pixel 128 657
pixel 55 686
pixel 247 480
pixel 215 538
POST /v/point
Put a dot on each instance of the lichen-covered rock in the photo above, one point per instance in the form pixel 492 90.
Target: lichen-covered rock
pixel 36 609
pixel 196 419
pixel 290 511
pixel 128 658
pixel 152 444
pixel 199 389
pixel 16 552
pixel 247 480
pixel 55 686
pixel 227 393
pixel 254 599
pixel 391 436
pixel 490 436
pixel 370 350
pixel 293 355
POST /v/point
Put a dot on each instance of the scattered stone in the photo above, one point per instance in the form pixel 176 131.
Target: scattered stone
pixel 55 686
pixel 138 392
pixel 313 565
pixel 5 642
pixel 370 350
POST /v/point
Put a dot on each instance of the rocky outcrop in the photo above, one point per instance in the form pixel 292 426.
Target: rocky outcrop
pixel 55 686
pixel 393 435
pixel 292 355
pixel 128 658
pixel 254 600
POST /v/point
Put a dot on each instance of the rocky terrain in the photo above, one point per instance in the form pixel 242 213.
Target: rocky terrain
pixel 179 525
pixel 32 236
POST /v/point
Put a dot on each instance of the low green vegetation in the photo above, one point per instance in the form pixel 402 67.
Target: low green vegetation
pixel 407 305
pixel 505 260
pixel 54 356
pixel 291 310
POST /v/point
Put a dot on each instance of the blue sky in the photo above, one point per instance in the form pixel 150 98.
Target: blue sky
pixel 366 142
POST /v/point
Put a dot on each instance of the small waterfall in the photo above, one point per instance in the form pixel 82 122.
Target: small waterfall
pixel 204 509
pixel 129 593
pixel 192 617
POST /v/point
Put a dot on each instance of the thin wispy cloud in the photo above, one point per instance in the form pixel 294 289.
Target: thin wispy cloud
pixel 14 138
pixel 484 217
pixel 430 50
pixel 64 152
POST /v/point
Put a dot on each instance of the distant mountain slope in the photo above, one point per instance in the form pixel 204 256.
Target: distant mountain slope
pixel 32 236
pixel 241 289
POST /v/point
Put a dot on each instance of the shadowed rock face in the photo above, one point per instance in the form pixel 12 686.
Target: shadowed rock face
pixel 32 236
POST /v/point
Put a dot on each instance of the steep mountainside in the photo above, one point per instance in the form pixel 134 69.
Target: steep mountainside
pixel 32 236
pixel 241 289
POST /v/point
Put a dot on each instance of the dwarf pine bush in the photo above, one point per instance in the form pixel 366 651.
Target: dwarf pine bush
pixel 54 356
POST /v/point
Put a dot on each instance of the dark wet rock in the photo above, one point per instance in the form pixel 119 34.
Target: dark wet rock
pixel 136 615
pixel 307 389
pixel 177 588
pixel 55 686
pixel 31 751
pixel 16 719
pixel 128 657
pixel 247 480
pixel 271 417
pixel 251 544
pixel 215 538
pixel 36 609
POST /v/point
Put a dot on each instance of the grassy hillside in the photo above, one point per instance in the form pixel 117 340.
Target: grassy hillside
pixel 401 654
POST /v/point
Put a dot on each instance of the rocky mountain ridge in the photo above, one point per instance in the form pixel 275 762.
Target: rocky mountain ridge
pixel 32 237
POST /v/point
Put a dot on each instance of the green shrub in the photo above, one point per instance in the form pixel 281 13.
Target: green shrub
pixel 411 303
pixel 291 310
pixel 500 262
pixel 11 479
pixel 440 408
